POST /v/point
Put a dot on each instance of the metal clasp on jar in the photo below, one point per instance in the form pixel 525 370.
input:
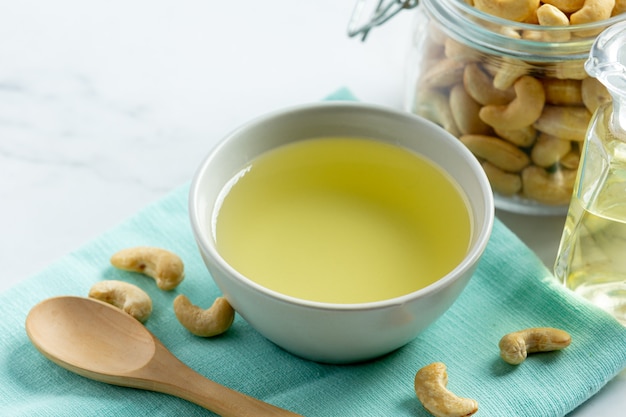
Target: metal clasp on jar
pixel 384 10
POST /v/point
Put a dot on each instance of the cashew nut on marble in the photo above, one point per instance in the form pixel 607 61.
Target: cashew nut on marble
pixel 205 323
pixel 514 347
pixel 164 266
pixel 430 388
pixel 125 296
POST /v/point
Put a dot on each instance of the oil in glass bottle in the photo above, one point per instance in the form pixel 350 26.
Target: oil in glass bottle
pixel 591 259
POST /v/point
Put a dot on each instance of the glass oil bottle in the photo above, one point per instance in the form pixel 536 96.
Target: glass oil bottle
pixel 591 259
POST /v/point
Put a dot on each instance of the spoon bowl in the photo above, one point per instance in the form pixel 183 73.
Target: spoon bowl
pixel 101 342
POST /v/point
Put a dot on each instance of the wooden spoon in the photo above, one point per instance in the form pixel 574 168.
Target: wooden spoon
pixel 101 342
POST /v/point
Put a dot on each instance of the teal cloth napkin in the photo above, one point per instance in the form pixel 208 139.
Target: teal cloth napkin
pixel 510 290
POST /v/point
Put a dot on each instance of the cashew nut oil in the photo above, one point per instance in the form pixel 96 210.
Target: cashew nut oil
pixel 342 220
pixel 592 255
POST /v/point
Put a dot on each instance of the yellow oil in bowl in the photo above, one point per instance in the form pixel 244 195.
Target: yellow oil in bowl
pixel 342 220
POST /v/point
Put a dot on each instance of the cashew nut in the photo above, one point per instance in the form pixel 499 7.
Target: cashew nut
pixel 620 7
pixel 517 10
pixel 566 6
pixel 523 137
pixel 162 265
pixel 465 112
pixel 459 51
pixel 565 122
pixel 435 106
pixel 548 188
pixel 573 70
pixel 505 183
pixel 205 323
pixel 592 11
pixel 500 153
pixel 509 70
pixel 534 114
pixel 523 111
pixel 508 31
pixel 532 19
pixel 594 94
pixel 430 388
pixel 563 92
pixel 479 85
pixel 549 150
pixel 514 347
pixel 125 296
pixel 443 74
pixel 572 159
pixel 548 15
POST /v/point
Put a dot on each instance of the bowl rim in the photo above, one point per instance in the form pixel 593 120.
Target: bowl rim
pixel 469 261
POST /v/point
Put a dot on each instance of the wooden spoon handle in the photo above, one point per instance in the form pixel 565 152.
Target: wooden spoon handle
pixel 166 374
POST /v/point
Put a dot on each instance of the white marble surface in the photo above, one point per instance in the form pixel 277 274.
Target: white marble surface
pixel 107 106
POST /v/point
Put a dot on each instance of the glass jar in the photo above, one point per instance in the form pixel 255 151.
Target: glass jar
pixel 516 94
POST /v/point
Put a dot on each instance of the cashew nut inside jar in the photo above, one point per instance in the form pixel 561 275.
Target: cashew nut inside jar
pixel 506 77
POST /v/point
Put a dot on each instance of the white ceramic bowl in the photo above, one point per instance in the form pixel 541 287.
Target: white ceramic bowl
pixel 339 333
